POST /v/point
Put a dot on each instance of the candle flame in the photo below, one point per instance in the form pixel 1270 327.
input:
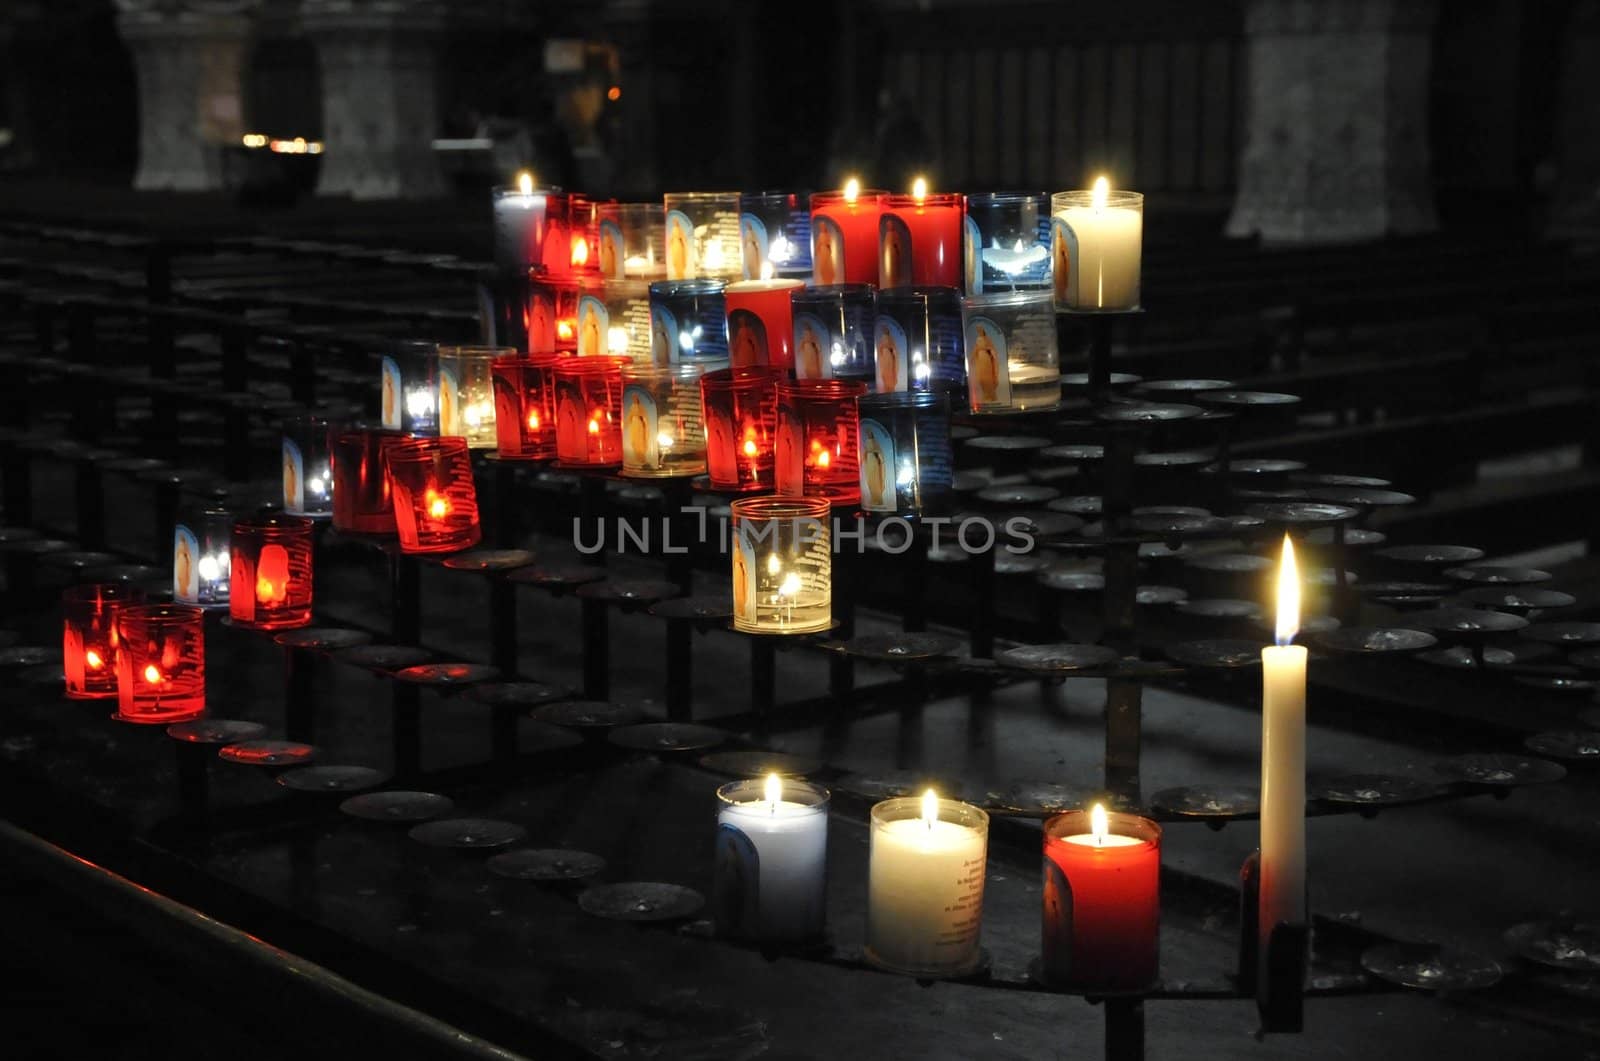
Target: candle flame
pixel 852 188
pixel 822 459
pixel 664 440
pixel 1099 824
pixel 749 447
pixel 580 251
pixel 1101 192
pixel 773 564
pixel 525 182
pixel 617 339
pixel 438 504
pixel 152 674
pixel 92 658
pixel 919 189
pixel 774 789
pixel 766 270
pixel 930 808
pixel 267 591
pixel 533 420
pixel 564 329
pixel 594 426
pixel 1288 596
pixel 790 587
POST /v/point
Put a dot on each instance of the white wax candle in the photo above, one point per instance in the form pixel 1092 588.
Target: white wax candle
pixel 790 845
pixel 925 893
pixel 1283 764
pixel 1102 261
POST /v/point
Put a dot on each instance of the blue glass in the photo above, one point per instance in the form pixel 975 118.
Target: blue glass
pixel 1006 242
pixel 688 321
pixel 907 466
pixel 833 331
pixel 917 342
pixel 775 228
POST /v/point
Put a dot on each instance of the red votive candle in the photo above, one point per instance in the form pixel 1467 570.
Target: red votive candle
pixel 161 662
pixel 589 410
pixel 1102 901
pixel 525 406
pixel 551 316
pixel 844 236
pixel 818 438
pixel 361 502
pixel 530 229
pixel 435 499
pixel 89 637
pixel 919 241
pixel 269 573
pixel 585 236
pixel 741 412
pixel 761 323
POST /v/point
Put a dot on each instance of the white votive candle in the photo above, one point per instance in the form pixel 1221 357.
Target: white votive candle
pixel 772 859
pixel 925 885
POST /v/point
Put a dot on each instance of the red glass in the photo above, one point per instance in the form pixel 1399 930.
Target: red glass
pixel 586 214
pixel 269 586
pixel 589 410
pixel 435 499
pixel 817 452
pixel 1102 904
pixel 761 323
pixel 531 231
pixel 161 663
pixel 525 406
pixel 89 637
pixel 919 241
pixel 844 237
pixel 741 413
pixel 360 488
pixel 551 316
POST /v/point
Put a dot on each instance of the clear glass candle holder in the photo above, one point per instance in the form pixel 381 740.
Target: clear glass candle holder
pixel 307 478
pixel 741 414
pixel 688 321
pixel 531 231
pixel 919 241
pixel 550 317
pixel 907 465
pixel 1096 247
pixel 818 446
pixel 406 398
pixel 782 565
pixel 833 331
pixel 702 235
pixel 89 637
pixel 466 393
pixel 161 663
pixel 616 318
pixel 844 236
pixel 202 548
pixel 917 340
pixel 772 861
pixel 775 235
pixel 1012 363
pixel 633 241
pixel 435 499
pixel 761 322
pixel 525 406
pixel 270 572
pixel 1005 242
pixel 361 502
pixel 663 428
pixel 589 411
pixel 925 886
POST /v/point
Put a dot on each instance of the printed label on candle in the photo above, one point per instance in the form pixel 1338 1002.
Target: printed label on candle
pixel 594 325
pixel 663 335
pixel 971 256
pixel 390 400
pixel 752 245
pixel 744 581
pixel 541 322
pixel 242 590
pixel 813 348
pixel 185 566
pixel 640 429
pixel 890 349
pixel 878 464
pixel 988 369
pixel 571 439
pixel 612 252
pixel 827 251
pixel 788 463
pixel 737 895
pixel 449 404
pixel 894 252
pixel 1063 253
pixel 747 339
pixel 1057 921
pixel 294 479
pixel 681 253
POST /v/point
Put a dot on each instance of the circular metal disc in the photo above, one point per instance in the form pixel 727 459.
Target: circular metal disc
pixel 1489 574
pixel 641 901
pixel 322 638
pixel 1221 608
pixel 666 737
pixel 29 655
pixel 489 560
pixel 1430 967
pixel 1504 771
pixel 1575 746
pixel 1560 943
pixel 1208 801
pixel 1431 555
pixel 586 714
pixel 268 753
pixel 331 778
pixel 468 834
pixel 1077 451
pixel 1018 494
pixel 1521 598
pixel 1145 412
pixel 900 647
pixel 1373 790
pixel 448 673
pixel 700 607
pixel 1364 640
pixel 557 576
pixel 631 592
pixel 216 731
pixel 1567 635
pixel 1058 658
pixel 1007 442
pixel 381 657
pixel 545 864
pixel 894 783
pixel 759 764
pixel 1073 581
pixel 1465 621
pixel 399 806
pixel 514 694
pixel 1218 654
pixel 1303 513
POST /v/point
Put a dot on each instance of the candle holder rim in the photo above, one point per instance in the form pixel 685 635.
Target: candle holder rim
pixel 678 371
pixel 162 610
pixel 1006 196
pixel 771 283
pixel 836 291
pixel 897 200
pixel 742 373
pixel 954 811
pixel 505 191
pixel 276 521
pixel 475 351
pixel 1009 298
pixel 1085 197
pixel 833 196
pixel 592 364
pixel 120 593
pixel 696 285
pixel 774 506
pixel 927 399
pixel 1134 826
pixel 821 388
pixel 698 197
pixel 817 798
pixel 523 359
pixel 918 295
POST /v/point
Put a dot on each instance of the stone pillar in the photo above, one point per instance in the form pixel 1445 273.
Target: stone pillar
pixel 379 96
pixel 188 56
pixel 1337 131
pixel 1575 203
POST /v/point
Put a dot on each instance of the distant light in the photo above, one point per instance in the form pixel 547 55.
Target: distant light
pixel 255 140
pixel 614 93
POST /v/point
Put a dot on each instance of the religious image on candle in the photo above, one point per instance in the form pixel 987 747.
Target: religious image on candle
pixel 663 335
pixel 681 255
pixel 988 369
pixel 827 251
pixel 892 363
pixel 744 581
pixel 894 247
pixel 613 253
pixel 878 466
pixel 389 405
pixel 747 339
pixel 811 348
pixel 294 478
pixel 1283 765
pixel 641 432
pixel 971 257
pixel 925 880
pixel 753 245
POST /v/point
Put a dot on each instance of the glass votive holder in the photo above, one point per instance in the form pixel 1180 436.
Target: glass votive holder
pixel 525 406
pixel 202 547
pixel 435 499
pixel 1012 364
pixel 466 393
pixel 1006 242
pixel 621 320
pixel 1097 240
pixel 925 876
pixel 782 565
pixel 632 241
pixel 307 481
pixel 663 429
pixel 1102 902
pixel 702 235
pixel 270 572
pixel 361 503
pixel 551 316
pixel 919 241
pixel 833 331
pixel 406 402
pixel 741 414
pixel 161 662
pixel 589 410
pixel 918 343
pixel 771 865
pixel 761 323
pixel 818 448
pixel 585 241
pixel 844 236
pixel 531 227
pixel 688 321
pixel 89 637
pixel 775 235
pixel 907 464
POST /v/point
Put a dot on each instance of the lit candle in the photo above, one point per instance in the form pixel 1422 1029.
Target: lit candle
pixel 925 884
pixel 844 235
pixel 761 321
pixel 1102 906
pixel 1283 764
pixel 1096 248
pixel 919 239
pixel 771 868
pixel 529 226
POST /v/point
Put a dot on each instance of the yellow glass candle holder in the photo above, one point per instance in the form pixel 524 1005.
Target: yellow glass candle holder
pixel 466 393
pixel 782 565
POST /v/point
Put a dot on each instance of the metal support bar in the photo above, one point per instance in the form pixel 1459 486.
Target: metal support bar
pixel 596 650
